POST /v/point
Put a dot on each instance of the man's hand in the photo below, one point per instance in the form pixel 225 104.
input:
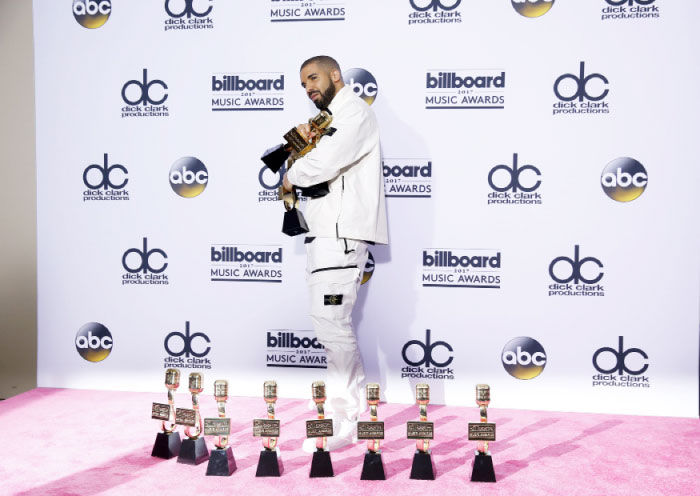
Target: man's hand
pixel 286 184
pixel 306 131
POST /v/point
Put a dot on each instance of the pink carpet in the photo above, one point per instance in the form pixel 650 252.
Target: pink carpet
pixel 70 442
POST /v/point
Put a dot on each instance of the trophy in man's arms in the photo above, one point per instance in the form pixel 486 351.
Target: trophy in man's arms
pixel 296 147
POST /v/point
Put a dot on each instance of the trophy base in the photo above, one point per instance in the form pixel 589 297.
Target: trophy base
pixel 221 462
pixel 294 223
pixel 321 465
pixel 373 467
pixel 167 445
pixel 193 451
pixel 316 191
pixel 482 470
pixel 269 464
pixel 422 468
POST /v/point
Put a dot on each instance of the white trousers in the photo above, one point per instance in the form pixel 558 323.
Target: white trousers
pixel 334 274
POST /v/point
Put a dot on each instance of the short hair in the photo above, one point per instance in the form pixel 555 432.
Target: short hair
pixel 323 60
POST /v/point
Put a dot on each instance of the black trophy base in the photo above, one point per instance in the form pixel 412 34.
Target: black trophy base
pixel 321 465
pixel 482 470
pixel 221 462
pixel 294 223
pixel 316 191
pixel 268 464
pixel 167 445
pixel 422 468
pixel 193 451
pixel 373 467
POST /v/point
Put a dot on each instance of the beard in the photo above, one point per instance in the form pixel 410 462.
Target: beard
pixel 326 97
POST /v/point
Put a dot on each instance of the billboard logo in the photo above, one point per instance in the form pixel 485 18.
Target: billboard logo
pixel 524 358
pixel 309 10
pixel 94 342
pixel 514 184
pixel 407 177
pixel 427 360
pixel 532 8
pixel 188 177
pixel 434 12
pixel 584 273
pixel 362 83
pixel 461 268
pixel 141 265
pixel 587 89
pixel 92 14
pixel 246 263
pixel 296 349
pixel 630 9
pixel 145 98
pixel 105 182
pixel 188 14
pixel 187 350
pixel 474 89
pixel 624 179
pixel 615 369
pixel 247 91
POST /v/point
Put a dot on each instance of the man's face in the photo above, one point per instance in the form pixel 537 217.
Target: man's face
pixel 316 80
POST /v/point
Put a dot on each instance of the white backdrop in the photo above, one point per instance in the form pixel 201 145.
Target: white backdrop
pixel 637 99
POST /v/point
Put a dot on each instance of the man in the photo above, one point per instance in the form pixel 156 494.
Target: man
pixel 341 224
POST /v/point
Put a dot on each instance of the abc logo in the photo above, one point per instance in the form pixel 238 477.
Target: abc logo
pixel 92 14
pixel 93 342
pixel 277 177
pixel 187 10
pixel 532 8
pixel 96 176
pixel 416 353
pixel 624 179
pixel 362 83
pixel 510 178
pixel 369 268
pixel 144 259
pixel 175 340
pixel 524 358
pixel 567 92
pixel 188 177
pixel 423 5
pixel 619 360
pixel 576 266
pixel 143 94
pixel 617 3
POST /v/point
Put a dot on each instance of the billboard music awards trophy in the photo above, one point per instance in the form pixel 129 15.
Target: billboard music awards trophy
pixel 321 465
pixel 194 449
pixel 373 432
pixel 422 431
pixel 269 430
pixel 297 146
pixel 483 432
pixel 167 443
pixel 221 461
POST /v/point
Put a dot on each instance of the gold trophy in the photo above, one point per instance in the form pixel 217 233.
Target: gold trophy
pixel 321 465
pixel 296 147
pixel 483 432
pixel 221 461
pixel 269 430
pixel 422 431
pixel 194 449
pixel 167 443
pixel 373 432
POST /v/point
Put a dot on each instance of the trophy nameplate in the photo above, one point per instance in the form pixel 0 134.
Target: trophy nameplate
pixel 160 411
pixel 217 426
pixel 370 430
pixel 482 431
pixel 266 428
pixel 185 416
pixel 319 428
pixel 420 430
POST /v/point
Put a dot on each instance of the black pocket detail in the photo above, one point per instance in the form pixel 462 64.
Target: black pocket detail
pixel 333 299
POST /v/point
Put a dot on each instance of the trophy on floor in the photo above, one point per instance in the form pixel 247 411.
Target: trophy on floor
pixel 269 429
pixel 422 431
pixel 321 465
pixel 167 443
pixel 296 147
pixel 373 432
pixel 221 461
pixel 483 432
pixel 194 449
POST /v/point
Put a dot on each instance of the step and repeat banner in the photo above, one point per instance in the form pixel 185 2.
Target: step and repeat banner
pixel 539 173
